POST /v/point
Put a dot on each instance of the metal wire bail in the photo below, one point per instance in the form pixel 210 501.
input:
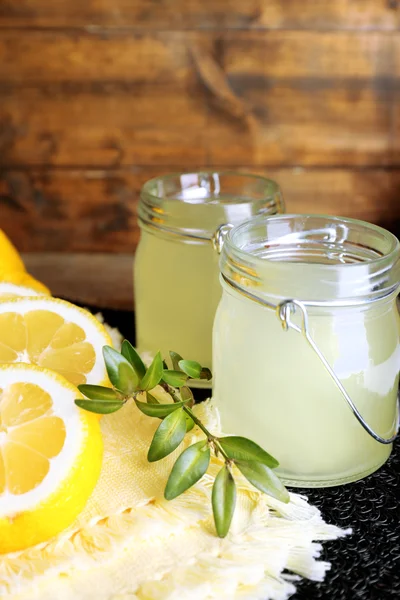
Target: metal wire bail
pixel 219 236
pixel 284 311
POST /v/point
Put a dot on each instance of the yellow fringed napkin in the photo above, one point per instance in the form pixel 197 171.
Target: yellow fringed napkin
pixel 131 544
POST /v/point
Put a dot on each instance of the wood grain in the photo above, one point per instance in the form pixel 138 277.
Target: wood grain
pixel 95 211
pixel 100 280
pixel 111 128
pixel 284 125
pixel 159 58
pixel 98 96
pixel 44 57
pixel 202 14
pixel 189 98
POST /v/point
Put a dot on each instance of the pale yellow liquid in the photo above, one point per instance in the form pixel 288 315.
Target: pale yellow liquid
pixel 177 293
pixel 271 387
pixel 176 280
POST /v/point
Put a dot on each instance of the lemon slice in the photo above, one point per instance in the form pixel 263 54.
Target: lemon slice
pixel 54 334
pixel 20 284
pixel 8 291
pixel 10 259
pixel 50 455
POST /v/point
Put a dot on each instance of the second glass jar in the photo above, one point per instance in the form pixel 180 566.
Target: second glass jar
pixel 299 290
pixel 176 265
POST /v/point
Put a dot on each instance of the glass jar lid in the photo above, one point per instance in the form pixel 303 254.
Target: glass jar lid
pixel 193 205
pixel 312 258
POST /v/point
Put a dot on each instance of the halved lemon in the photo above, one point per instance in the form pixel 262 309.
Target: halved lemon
pixel 50 455
pixel 10 259
pixel 20 284
pixel 55 334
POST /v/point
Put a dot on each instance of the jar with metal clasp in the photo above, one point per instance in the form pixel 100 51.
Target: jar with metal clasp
pixel 306 350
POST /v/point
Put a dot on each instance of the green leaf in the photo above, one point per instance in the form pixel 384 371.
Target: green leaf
pixel 187 394
pixel 175 358
pixel 205 374
pixel 128 380
pixel 263 478
pixel 131 355
pixel 100 407
pixel 175 378
pixel 153 375
pixel 223 501
pixel 191 368
pixel 120 371
pixel 189 423
pixel 188 469
pixel 241 448
pixel 97 392
pixel 151 399
pixel 159 410
pixel 168 436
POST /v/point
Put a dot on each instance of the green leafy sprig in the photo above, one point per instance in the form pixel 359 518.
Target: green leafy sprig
pixel 131 379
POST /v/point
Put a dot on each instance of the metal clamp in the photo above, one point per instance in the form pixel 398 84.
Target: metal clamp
pixel 284 311
pixel 219 236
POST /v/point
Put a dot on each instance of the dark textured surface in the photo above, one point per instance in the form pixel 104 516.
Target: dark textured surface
pixel 366 565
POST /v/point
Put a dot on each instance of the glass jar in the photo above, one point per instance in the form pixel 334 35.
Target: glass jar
pixel 176 267
pixel 306 344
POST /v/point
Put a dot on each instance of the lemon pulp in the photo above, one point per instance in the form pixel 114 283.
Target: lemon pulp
pixel 46 339
pixel 30 436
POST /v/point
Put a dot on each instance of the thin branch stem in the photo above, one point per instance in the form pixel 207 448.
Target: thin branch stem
pixel 199 424
pixel 210 437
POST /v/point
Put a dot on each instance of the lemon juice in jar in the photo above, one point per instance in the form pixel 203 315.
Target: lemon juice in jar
pixel 176 275
pixel 270 383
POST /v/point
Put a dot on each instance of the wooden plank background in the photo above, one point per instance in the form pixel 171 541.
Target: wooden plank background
pixel 98 96
pixel 202 14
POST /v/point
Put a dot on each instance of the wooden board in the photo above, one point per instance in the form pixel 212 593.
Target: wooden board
pixel 201 14
pixel 44 57
pixel 100 280
pixel 234 98
pixel 39 58
pixel 95 211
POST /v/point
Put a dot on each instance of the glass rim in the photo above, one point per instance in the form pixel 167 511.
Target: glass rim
pixel 395 243
pixel 337 268
pixel 145 190
pixel 194 208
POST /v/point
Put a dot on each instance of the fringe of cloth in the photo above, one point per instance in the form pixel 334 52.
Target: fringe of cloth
pixel 159 550
pixel 252 563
